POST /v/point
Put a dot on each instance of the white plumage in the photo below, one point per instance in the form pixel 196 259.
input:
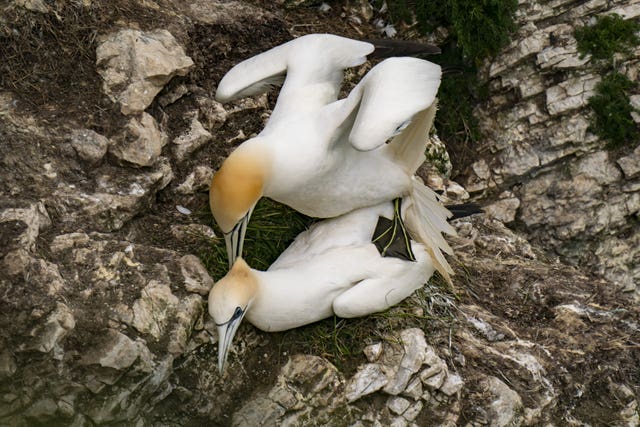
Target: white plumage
pixel 310 154
pixel 331 268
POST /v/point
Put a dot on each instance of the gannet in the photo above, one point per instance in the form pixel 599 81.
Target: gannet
pixel 325 157
pixel 332 268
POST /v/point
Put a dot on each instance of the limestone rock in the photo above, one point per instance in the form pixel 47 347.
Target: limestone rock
pixel 519 50
pixel 188 313
pixel 89 145
pixel 195 137
pixel 534 138
pixel 190 231
pixel 117 197
pixel 27 223
pixel 398 405
pixel 598 167
pixel 198 180
pixel 68 241
pixel 260 411
pixel 571 94
pixel 196 278
pixel 304 394
pixel 414 389
pixel 634 100
pixel 117 351
pixel 33 5
pixel 140 142
pixel 369 378
pixel 43 276
pixel 504 209
pixel 630 164
pixel 504 405
pixel 135 66
pixel 153 310
pixel 414 348
pixel 7 364
pixel 452 385
pixel 212 113
pixel 57 326
pixel 41 410
pixel 373 351
pixel 434 376
pixel 413 411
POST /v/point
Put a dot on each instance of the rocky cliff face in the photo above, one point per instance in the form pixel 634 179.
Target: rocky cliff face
pixel 103 226
pixel 545 170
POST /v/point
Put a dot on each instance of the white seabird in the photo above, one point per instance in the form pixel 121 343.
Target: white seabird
pixel 332 268
pixel 325 157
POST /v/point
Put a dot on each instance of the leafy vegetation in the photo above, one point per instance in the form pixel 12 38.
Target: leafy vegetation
pixel 609 35
pixel 613 121
pixel 483 27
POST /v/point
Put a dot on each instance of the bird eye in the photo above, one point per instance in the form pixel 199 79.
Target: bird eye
pixel 237 313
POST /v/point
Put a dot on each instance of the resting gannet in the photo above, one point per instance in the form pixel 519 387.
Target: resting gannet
pixel 332 268
pixel 325 157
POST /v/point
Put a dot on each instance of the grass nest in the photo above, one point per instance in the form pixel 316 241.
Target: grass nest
pixel 272 228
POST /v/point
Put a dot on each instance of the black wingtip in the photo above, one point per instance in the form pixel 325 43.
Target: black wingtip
pixel 391 237
pixel 388 48
pixel 452 70
pixel 463 210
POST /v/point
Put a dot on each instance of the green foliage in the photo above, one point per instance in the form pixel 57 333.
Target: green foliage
pixel 483 26
pixel 610 34
pixel 480 27
pixel 613 121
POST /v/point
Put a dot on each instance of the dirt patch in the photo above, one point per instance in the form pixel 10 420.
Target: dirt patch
pixel 577 318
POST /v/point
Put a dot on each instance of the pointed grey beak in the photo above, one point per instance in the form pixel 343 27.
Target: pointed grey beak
pixel 226 332
pixel 235 239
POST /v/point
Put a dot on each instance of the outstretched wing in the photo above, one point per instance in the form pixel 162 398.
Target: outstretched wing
pixel 310 68
pixel 387 99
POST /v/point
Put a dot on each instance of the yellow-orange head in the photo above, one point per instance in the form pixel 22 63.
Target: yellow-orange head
pixel 238 185
pixel 229 300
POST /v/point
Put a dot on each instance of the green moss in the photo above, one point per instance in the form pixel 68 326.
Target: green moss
pixel 613 121
pixel 609 35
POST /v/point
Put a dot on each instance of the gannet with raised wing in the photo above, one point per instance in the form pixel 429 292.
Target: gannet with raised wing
pixel 325 157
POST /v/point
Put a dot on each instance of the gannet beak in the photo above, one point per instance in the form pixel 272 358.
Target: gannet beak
pixel 226 332
pixel 235 239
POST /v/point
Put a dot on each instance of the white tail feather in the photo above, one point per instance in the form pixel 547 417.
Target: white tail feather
pixel 425 216
pixel 426 220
